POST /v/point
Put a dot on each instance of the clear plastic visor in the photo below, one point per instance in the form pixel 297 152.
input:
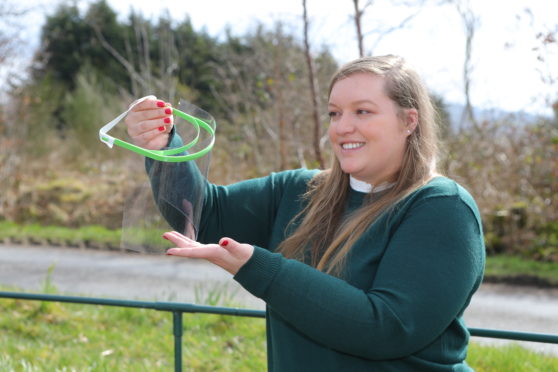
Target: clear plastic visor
pixel 169 195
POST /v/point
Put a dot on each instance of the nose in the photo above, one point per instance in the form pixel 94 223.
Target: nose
pixel 344 125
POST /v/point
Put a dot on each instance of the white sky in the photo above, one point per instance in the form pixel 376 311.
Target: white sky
pixel 505 66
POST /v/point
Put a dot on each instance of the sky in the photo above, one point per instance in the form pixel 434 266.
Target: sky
pixel 506 73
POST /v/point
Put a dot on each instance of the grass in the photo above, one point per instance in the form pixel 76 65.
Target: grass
pixel 510 267
pixel 50 336
pixel 44 336
pixel 98 234
pixel 512 358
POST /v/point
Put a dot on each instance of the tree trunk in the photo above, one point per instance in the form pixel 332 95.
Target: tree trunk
pixel 313 92
pixel 358 17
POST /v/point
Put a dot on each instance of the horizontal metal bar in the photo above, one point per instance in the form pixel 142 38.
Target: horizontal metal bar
pixel 514 335
pixel 161 306
pixel 192 308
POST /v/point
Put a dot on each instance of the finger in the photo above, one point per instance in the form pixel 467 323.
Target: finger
pixel 154 139
pixel 150 103
pixel 229 244
pixel 180 240
pixel 209 252
pixel 136 102
pixel 157 143
pixel 144 121
pixel 241 252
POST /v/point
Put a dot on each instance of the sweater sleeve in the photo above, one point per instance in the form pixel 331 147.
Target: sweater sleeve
pixel 426 276
pixel 178 189
pixel 246 211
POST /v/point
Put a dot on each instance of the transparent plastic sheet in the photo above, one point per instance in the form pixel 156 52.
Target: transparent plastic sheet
pixel 141 271
pixel 170 197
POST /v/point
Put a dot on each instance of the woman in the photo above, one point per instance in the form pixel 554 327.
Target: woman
pixel 367 266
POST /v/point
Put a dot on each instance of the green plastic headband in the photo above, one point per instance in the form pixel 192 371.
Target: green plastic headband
pixel 170 155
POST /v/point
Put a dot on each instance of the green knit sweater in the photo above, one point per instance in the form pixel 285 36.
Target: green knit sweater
pixel 400 301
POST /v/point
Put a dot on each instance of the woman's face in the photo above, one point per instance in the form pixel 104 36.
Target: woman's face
pixel 367 135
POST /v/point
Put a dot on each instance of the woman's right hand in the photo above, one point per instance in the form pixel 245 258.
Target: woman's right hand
pixel 149 123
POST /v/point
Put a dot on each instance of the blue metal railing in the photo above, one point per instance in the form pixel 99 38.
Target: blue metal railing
pixel 177 309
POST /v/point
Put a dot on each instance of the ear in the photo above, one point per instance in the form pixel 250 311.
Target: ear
pixel 411 119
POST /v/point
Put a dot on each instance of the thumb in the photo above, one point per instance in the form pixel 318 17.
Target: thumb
pixel 235 248
pixel 239 253
pixel 229 244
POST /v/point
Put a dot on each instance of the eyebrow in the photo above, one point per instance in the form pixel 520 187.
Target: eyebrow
pixel 356 102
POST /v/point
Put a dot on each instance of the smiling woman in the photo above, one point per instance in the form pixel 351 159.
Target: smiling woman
pixel 368 131
pixel 365 266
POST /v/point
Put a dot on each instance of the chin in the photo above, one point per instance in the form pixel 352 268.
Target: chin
pixel 351 169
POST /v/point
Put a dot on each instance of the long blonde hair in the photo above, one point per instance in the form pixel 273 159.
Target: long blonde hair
pixel 320 226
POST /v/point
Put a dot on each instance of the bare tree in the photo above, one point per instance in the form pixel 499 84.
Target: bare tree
pixel 9 13
pixel 313 90
pixel 358 24
pixel 471 23
pixel 137 61
pixel 267 103
pixel 11 132
pixel 381 32
pixel 546 47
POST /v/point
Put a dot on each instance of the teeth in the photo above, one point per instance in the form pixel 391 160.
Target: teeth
pixel 349 146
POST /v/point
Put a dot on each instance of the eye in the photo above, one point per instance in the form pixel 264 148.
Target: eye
pixel 362 112
pixel 332 114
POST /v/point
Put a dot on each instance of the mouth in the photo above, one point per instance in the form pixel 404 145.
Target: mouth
pixel 352 145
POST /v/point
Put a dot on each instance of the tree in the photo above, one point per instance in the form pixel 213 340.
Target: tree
pixel 9 14
pixel 313 91
pixel 63 38
pixel 198 54
pixel 265 88
pixel 381 31
pixel 358 24
pixel 99 16
pixel 470 23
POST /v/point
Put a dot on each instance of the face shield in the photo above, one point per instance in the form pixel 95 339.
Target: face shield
pixel 169 185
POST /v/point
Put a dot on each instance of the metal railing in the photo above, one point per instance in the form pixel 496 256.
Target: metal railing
pixel 177 309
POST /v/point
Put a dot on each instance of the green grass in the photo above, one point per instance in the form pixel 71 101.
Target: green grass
pixel 49 336
pixel 59 234
pixel 512 358
pixel 44 336
pixel 514 266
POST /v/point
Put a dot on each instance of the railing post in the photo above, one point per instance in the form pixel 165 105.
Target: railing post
pixel 177 331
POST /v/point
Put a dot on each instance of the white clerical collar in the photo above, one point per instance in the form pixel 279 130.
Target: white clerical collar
pixel 362 186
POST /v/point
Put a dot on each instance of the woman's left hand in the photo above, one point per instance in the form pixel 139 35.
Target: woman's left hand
pixel 228 254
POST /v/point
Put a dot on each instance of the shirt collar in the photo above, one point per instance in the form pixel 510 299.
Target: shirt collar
pixel 367 188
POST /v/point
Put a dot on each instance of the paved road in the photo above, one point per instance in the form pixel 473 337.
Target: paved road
pixel 118 275
pixel 165 278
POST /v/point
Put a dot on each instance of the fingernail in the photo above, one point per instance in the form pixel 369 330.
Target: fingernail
pixel 160 104
pixel 168 254
pixel 167 120
pixel 160 130
pixel 224 243
pixel 168 111
pixel 164 237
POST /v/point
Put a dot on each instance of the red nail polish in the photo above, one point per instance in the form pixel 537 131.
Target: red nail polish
pixel 160 104
pixel 168 111
pixel 167 120
pixel 160 130
pixel 224 243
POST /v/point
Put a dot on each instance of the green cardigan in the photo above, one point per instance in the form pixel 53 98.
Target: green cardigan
pixel 399 304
